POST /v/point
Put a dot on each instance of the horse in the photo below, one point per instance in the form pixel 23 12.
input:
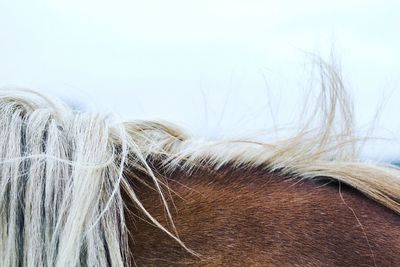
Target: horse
pixel 80 188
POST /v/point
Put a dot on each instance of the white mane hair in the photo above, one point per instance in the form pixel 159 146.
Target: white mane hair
pixel 62 171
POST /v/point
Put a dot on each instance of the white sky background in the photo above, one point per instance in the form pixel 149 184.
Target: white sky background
pixel 203 64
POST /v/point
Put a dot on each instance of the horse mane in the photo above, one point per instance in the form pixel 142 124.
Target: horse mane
pixel 62 171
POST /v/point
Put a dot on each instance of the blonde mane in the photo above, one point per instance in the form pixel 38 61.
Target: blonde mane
pixel 62 171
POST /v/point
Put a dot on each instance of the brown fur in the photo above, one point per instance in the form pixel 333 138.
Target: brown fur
pixel 239 217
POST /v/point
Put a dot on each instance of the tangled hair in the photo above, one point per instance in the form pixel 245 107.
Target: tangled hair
pixel 63 171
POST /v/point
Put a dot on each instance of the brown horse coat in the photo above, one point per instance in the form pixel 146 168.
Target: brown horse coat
pixel 242 217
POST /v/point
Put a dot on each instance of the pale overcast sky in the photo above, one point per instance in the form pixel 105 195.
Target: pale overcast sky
pixel 212 66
